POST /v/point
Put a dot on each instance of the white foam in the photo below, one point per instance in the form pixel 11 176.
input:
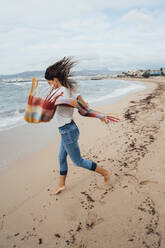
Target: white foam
pixel 9 122
pixel 118 92
pixel 22 83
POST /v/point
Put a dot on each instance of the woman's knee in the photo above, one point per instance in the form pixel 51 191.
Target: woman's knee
pixel 87 164
pixel 78 162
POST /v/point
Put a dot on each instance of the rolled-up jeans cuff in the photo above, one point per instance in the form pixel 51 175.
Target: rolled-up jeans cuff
pixel 62 173
pixel 94 165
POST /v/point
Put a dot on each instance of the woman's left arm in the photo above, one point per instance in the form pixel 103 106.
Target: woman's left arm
pixel 75 104
pixel 82 100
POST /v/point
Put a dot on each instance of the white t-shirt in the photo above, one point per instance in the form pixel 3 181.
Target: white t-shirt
pixel 64 114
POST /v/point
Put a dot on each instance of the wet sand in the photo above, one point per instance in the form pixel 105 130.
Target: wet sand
pixel 128 214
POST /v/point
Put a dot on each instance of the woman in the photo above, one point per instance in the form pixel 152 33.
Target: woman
pixel 57 76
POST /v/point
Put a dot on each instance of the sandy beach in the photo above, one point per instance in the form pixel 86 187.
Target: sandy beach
pixel 129 213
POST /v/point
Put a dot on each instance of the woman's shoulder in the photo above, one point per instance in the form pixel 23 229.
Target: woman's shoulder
pixel 64 88
pixel 65 91
pixel 68 92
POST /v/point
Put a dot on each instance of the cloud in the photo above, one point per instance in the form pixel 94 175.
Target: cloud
pixel 116 34
pixel 139 19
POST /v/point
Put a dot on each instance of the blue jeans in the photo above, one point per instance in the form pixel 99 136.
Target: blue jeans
pixel 69 146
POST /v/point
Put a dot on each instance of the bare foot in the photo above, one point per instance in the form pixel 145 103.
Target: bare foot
pixel 107 178
pixel 59 190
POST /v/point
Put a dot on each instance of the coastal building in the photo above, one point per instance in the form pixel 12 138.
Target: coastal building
pixel 144 73
pixel 155 72
pixel 134 73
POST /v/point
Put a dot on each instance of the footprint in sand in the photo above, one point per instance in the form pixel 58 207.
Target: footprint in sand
pixel 92 220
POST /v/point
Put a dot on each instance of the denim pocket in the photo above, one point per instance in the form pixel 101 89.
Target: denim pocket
pixel 69 136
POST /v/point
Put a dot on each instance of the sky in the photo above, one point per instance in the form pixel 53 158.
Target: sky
pixel 112 34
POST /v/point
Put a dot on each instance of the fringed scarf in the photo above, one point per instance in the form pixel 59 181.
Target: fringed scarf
pixel 42 109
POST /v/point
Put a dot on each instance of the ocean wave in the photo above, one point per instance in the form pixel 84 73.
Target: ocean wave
pixel 12 112
pixel 117 93
pixel 10 122
pixel 11 118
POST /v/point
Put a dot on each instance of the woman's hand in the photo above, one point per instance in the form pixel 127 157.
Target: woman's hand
pixel 109 118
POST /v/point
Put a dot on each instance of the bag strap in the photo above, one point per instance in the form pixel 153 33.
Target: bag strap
pixel 47 97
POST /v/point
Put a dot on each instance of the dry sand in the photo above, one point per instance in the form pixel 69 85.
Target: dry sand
pixel 128 214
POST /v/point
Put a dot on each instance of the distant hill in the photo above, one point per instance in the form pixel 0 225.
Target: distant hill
pixel 40 74
pixel 25 74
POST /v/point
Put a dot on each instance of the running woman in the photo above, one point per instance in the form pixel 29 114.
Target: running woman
pixel 57 76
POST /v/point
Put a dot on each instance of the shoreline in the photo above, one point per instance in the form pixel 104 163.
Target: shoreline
pixel 129 150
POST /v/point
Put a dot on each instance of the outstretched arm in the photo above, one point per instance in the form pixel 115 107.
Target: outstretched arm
pixel 84 110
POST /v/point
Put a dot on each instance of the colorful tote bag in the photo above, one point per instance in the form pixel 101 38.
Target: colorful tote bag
pixel 39 108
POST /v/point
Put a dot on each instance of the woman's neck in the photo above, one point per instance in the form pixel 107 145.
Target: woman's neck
pixel 59 85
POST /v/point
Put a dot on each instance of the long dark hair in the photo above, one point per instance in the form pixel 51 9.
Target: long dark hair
pixel 61 70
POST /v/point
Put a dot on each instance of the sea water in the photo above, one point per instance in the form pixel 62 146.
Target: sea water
pixel 14 94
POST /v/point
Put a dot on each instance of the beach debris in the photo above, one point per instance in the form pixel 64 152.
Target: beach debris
pixel 57 235
pixel 79 228
pixel 145 182
pixel 2 222
pixel 149 230
pixel 39 241
pixel 151 137
pixel 16 234
pixel 89 225
pixel 130 175
pixel 71 240
pixel 130 240
pixel 67 242
pixel 89 198
pixel 130 115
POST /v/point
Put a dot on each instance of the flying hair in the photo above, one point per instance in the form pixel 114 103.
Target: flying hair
pixel 61 70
